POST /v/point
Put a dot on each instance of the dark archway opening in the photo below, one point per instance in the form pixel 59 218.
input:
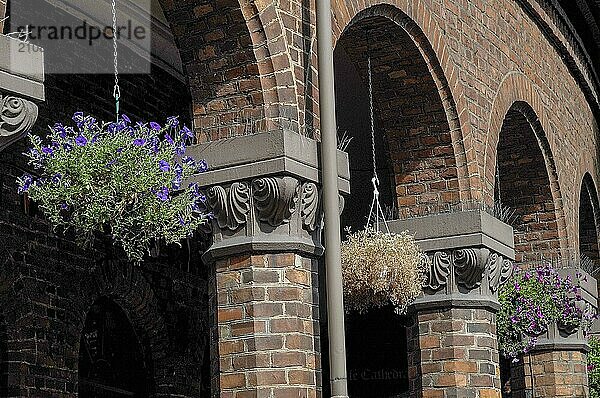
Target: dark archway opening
pixel 523 185
pixel 588 226
pixel 523 189
pixel 111 358
pixel 415 165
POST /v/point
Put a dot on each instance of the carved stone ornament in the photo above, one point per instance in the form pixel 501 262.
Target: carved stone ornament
pixel 438 269
pixel 275 198
pixel 309 206
pixel 468 267
pixel 17 117
pixel 500 270
pixel 230 207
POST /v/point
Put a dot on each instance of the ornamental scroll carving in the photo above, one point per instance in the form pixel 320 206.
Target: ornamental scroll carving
pixel 17 117
pixel 470 267
pixel 230 207
pixel 500 269
pixel 274 200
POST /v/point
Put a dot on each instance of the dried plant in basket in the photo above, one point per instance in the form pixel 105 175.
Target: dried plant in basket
pixel 379 269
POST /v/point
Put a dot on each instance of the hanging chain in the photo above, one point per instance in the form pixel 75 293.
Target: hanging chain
pixel 375 205
pixel 117 89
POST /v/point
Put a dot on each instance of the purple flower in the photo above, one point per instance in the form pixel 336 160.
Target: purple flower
pixel 119 150
pixel 78 117
pixel 111 162
pixel 155 126
pixel 125 119
pixel 169 139
pixel 139 142
pixel 163 194
pixel 176 184
pixel 202 166
pixel 60 129
pixel 64 206
pixel 181 221
pixel 47 150
pixel 164 165
pixel 189 161
pixel 178 169
pixel 80 140
pixel 173 121
pixel 26 182
pixel 180 149
pixel 187 133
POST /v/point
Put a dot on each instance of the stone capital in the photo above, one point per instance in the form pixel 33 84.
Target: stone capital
pixel 265 193
pixel 21 86
pixel 468 256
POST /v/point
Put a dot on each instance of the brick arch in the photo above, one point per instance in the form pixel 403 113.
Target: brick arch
pixel 126 286
pixel 238 72
pixel 528 184
pixel 416 20
pixel 519 92
pixel 589 218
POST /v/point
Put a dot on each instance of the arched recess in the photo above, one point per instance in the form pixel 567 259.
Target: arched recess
pixel 589 217
pixel 238 75
pixel 414 113
pixel 417 146
pixel 125 286
pixel 112 360
pixel 526 183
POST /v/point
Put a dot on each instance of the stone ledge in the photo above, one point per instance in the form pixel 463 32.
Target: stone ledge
pixel 460 229
pixel 274 153
pixel 21 68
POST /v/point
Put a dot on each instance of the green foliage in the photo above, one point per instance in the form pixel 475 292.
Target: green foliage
pixel 593 360
pixel 117 178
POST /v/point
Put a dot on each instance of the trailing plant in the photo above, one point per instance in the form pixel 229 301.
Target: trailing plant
pixel 593 359
pixel 533 300
pixel 379 269
pixel 121 179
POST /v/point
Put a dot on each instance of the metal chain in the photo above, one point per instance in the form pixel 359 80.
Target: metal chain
pixel 372 117
pixel 117 89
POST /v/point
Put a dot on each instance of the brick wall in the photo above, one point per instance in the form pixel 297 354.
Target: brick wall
pixel 266 333
pixel 453 353
pixel 588 216
pixel 523 185
pixel 409 113
pixel 555 374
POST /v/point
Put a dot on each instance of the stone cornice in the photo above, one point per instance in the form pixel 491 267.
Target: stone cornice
pixel 468 256
pixel 264 192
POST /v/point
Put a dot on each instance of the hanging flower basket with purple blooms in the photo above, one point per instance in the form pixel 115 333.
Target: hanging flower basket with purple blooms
pixel 121 178
pixel 534 300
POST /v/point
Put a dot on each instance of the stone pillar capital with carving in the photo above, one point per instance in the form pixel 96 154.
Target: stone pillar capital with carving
pixel 21 88
pixel 264 192
pixel 453 347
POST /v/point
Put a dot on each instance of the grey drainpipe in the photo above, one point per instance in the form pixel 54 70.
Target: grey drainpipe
pixel 335 301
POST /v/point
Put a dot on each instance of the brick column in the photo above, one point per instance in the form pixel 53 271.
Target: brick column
pixel 452 342
pixel 264 285
pixel 558 362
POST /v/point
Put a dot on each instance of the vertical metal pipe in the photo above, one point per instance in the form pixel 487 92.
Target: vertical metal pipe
pixel 335 302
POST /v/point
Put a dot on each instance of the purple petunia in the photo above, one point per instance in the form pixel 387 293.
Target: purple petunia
pixel 169 139
pixel 139 142
pixel 155 126
pixel 173 121
pixel 26 182
pixel 125 119
pixel 78 117
pixel 163 194
pixel 202 166
pixel 47 150
pixel 187 133
pixel 180 149
pixel 80 140
pixel 164 165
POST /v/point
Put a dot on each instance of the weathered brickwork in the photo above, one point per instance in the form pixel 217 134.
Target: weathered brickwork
pixel 555 374
pixel 266 333
pixel 522 184
pixel 453 353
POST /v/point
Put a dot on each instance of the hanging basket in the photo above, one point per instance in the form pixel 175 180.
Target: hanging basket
pixel 379 269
